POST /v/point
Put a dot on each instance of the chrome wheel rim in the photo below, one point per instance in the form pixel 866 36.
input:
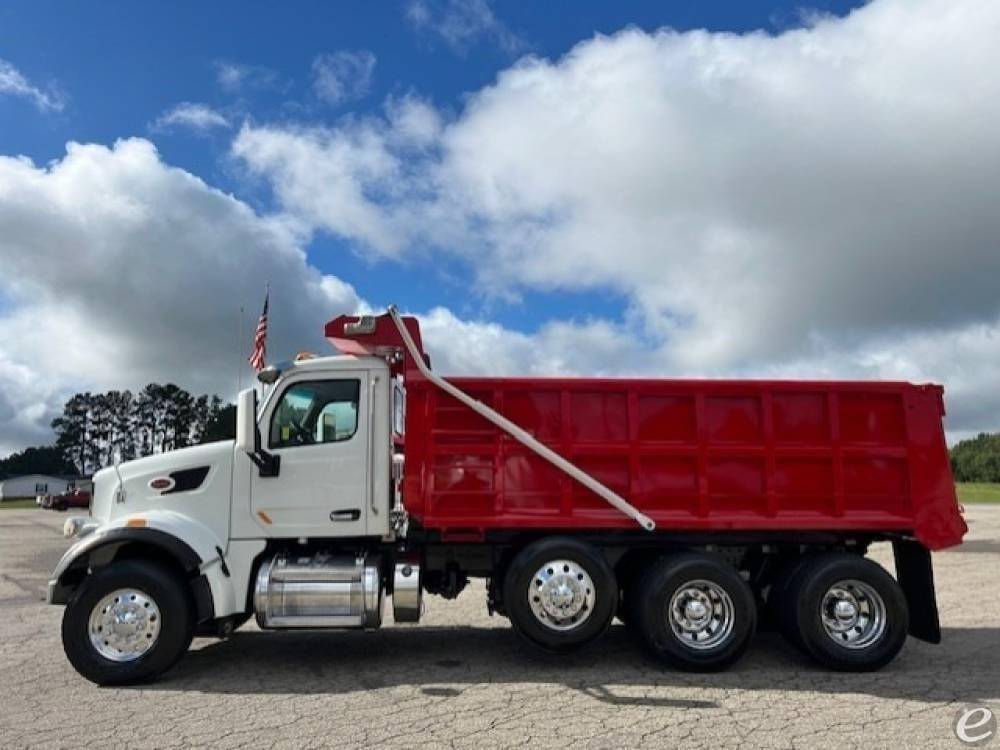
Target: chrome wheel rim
pixel 701 614
pixel 561 595
pixel 853 614
pixel 124 625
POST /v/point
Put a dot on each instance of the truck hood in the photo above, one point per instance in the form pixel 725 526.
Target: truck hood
pixel 201 474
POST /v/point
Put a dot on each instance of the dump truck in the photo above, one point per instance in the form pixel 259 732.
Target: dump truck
pixel 694 511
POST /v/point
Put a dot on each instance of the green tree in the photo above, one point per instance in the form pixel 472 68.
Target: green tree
pixel 221 423
pixel 159 418
pixel 121 405
pixel 47 459
pixel 977 459
pixel 74 435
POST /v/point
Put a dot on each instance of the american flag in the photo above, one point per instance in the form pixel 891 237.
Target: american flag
pixel 260 339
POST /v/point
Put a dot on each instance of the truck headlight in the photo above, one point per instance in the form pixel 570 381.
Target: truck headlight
pixel 78 526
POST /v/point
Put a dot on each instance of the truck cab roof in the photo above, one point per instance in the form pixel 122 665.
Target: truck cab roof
pixel 334 362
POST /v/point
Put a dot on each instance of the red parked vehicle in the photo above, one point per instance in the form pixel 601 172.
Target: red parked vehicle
pixel 73 497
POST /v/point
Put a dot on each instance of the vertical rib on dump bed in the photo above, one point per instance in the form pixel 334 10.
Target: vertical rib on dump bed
pixel 693 455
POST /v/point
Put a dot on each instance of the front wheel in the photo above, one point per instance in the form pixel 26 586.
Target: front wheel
pixel 128 622
pixel 695 612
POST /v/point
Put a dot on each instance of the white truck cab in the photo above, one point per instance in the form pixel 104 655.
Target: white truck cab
pixel 325 429
pixel 313 460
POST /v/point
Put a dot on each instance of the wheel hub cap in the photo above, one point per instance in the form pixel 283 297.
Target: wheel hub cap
pixel 853 614
pixel 561 595
pixel 701 614
pixel 695 611
pixel 845 611
pixel 124 625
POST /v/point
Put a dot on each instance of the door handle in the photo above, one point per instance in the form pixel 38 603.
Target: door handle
pixel 345 515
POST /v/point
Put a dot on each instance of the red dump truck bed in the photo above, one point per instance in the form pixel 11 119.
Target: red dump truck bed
pixel 693 455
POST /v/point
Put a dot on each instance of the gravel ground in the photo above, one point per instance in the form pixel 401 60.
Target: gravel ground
pixel 461 679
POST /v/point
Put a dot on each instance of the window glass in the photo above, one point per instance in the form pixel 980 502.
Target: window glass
pixel 320 411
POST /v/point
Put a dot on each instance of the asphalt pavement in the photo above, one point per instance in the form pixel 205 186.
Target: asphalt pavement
pixel 461 679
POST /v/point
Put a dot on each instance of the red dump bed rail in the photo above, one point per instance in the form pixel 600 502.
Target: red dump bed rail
pixel 693 455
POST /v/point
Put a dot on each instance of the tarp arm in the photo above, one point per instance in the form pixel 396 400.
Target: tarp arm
pixel 520 435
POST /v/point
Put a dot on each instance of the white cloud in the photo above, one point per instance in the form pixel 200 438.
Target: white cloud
pixel 29 400
pixel 470 347
pixel 813 204
pixel 461 23
pixel 331 177
pixel 13 83
pixel 197 117
pixel 343 76
pixel 819 198
pixel 235 77
pixel 413 121
pixel 120 270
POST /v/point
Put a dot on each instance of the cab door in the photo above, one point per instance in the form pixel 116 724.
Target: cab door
pixel 318 429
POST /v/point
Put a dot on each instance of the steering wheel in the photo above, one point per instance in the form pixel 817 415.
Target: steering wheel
pixel 304 436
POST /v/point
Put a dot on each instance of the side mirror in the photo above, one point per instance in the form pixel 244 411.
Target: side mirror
pixel 248 436
pixel 246 421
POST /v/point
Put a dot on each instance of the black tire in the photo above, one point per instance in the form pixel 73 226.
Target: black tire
pixel 669 577
pixel 521 577
pixel 629 612
pixel 176 612
pixel 624 611
pixel 777 597
pixel 803 605
pixel 620 613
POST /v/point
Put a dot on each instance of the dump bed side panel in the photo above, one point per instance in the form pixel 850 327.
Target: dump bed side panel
pixel 694 455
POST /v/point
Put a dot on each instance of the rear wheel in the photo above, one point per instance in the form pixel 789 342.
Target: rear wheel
pixel 128 622
pixel 695 612
pixel 846 612
pixel 560 594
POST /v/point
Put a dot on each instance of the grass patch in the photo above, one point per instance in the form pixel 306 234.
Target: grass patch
pixel 978 492
pixel 28 502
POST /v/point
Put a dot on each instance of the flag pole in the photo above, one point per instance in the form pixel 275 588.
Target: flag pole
pixel 259 352
pixel 239 369
pixel 267 298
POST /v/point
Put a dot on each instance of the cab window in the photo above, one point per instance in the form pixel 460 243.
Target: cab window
pixel 319 411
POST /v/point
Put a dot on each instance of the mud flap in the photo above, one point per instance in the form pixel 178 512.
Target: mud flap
pixel 916 577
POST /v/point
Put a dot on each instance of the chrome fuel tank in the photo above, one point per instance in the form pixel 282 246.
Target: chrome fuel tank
pixel 319 591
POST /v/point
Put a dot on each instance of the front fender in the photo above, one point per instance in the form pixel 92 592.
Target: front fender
pixel 189 543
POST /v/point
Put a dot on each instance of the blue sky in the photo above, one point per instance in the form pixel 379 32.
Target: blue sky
pixel 120 66
pixel 743 189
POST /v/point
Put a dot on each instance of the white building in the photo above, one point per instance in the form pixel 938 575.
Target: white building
pixel 32 485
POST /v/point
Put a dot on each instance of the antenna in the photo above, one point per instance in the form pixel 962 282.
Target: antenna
pixel 239 369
